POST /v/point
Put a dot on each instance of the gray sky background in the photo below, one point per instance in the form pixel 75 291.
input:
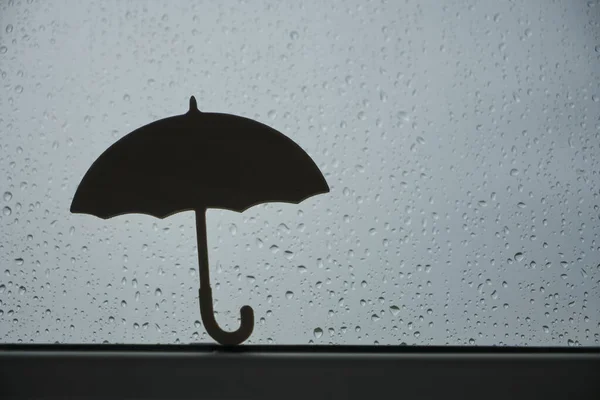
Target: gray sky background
pixel 460 140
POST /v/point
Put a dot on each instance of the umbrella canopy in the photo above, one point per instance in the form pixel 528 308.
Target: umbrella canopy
pixel 197 160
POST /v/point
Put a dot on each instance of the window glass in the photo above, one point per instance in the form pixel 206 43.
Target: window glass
pixel 460 141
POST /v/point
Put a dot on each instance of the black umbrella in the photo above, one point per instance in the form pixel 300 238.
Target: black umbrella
pixel 197 161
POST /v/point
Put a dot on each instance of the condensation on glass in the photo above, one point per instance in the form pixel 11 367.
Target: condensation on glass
pixel 460 141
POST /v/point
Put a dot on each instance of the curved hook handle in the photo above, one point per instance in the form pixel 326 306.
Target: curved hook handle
pixel 214 330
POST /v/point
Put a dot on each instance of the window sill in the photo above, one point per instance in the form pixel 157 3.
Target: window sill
pixel 296 372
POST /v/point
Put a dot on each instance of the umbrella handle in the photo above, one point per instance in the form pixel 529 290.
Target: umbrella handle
pixel 214 330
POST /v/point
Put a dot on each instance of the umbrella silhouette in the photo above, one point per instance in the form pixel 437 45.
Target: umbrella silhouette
pixel 197 161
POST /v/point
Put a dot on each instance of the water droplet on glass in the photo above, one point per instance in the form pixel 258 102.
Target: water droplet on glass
pixel 3 49
pixel 7 196
pixel 272 114
pixel 9 28
pixel 19 261
pixel 233 229
pixel 22 290
pixel 7 211
pixel 519 257
pixel 403 116
pixel 514 172
pixel 395 310
pixel 294 35
pixel 289 295
pixel 375 318
pixel 318 332
pixel 158 292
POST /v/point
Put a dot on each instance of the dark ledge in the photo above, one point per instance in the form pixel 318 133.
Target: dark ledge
pixel 203 371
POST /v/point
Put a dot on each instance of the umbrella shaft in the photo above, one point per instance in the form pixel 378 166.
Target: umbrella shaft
pixel 202 247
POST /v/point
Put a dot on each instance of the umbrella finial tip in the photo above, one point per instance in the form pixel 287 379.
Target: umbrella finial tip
pixel 193 104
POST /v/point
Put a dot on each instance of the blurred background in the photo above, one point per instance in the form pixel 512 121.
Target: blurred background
pixel 460 139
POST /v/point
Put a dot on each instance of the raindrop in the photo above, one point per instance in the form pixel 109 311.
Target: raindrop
pixel 233 229
pixel 294 35
pixel 289 295
pixel 519 257
pixel 403 116
pixel 272 114
pixel 514 172
pixel 158 292
pixel 7 196
pixel 19 261
pixel 190 49
pixel 375 318
pixel 9 28
pixel 22 290
pixel 7 211
pixel 318 332
pixel 395 310
pixel 3 49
